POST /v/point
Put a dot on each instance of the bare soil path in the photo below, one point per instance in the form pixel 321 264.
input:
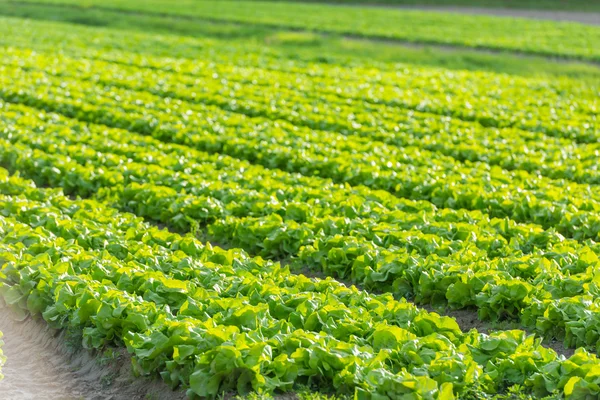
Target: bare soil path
pixel 40 365
pixel 590 18
pixel 33 369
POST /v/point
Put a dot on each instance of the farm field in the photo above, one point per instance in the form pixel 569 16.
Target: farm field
pixel 559 39
pixel 234 212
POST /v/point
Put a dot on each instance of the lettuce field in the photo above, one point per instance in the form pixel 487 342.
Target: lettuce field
pixel 244 222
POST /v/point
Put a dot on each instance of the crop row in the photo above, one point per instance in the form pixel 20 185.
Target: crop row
pixel 544 289
pixel 362 107
pixel 165 290
pixel 539 37
pixel 509 148
pixel 177 158
pixel 182 314
pixel 204 197
pixel 506 147
pixel 198 51
pixel 197 58
pixel 241 330
pixel 570 207
pixel 214 319
pixel 228 180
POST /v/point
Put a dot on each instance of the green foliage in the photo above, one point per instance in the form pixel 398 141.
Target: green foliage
pixel 460 189
pixel 154 290
pixel 515 34
pixel 304 45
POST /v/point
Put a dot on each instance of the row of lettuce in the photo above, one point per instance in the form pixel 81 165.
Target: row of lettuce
pixel 366 155
pixel 355 102
pixel 507 270
pixel 527 104
pixel 468 96
pixel 215 320
pixel 408 172
pixel 513 34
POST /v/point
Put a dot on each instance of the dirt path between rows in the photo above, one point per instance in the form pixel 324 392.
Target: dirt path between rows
pixel 466 318
pixel 33 370
pixel 589 18
pixel 40 365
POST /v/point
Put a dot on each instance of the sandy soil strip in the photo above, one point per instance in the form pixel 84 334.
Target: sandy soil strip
pixel 33 369
pixel 41 365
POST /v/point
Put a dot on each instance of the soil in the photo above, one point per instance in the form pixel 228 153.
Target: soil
pixel 590 18
pixel 41 365
pixel 467 319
